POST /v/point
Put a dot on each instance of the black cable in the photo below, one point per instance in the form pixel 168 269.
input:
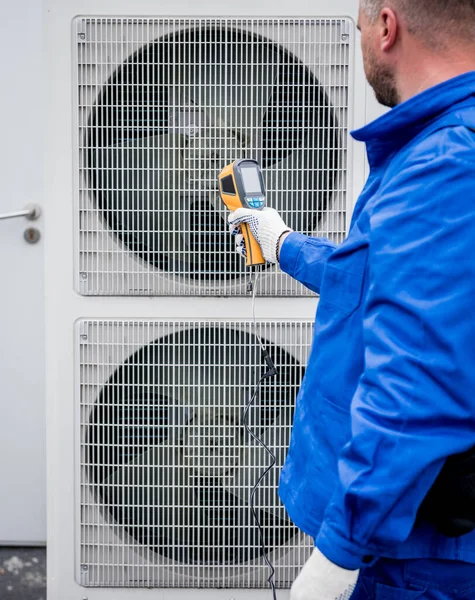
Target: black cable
pixel 271 371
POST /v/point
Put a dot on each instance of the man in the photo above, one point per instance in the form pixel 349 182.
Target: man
pixel 389 392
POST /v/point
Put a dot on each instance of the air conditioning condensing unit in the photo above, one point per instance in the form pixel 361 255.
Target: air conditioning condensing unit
pixel 162 104
pixel 152 354
pixel 166 465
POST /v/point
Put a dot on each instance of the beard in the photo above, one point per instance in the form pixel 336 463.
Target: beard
pixel 381 79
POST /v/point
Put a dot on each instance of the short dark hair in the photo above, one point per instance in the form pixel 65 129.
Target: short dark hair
pixel 430 20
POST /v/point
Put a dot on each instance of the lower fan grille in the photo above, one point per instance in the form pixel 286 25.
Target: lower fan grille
pixel 166 466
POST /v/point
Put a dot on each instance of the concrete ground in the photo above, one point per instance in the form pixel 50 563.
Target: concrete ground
pixel 22 573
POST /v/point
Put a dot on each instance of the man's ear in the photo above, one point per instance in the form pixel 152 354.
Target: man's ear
pixel 389 28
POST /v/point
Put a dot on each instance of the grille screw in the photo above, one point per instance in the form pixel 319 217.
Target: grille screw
pixel 345 37
pixel 82 36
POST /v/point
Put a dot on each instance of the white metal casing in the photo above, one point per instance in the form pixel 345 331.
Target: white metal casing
pixel 64 306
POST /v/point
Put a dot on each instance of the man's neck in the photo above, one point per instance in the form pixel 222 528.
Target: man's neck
pixel 431 70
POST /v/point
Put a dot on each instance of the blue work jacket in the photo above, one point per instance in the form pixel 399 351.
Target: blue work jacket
pixel 389 391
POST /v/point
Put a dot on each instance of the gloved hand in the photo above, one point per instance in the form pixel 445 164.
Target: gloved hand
pixel 320 579
pixel 266 226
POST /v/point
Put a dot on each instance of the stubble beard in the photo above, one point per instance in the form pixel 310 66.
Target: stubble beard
pixel 383 82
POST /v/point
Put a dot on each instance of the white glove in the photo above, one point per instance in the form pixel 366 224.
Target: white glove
pixel 266 226
pixel 320 579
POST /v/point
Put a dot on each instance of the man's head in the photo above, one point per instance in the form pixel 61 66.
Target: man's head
pixel 397 36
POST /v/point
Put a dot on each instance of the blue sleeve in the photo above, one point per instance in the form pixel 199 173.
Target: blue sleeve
pixel 304 258
pixel 414 404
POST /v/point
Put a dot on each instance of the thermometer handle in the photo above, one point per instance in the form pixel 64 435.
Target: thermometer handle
pixel 254 255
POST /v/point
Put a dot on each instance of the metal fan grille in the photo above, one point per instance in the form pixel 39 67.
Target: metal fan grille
pixel 162 105
pixel 166 466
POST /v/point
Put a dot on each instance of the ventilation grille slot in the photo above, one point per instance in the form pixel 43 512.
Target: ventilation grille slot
pixel 166 466
pixel 162 105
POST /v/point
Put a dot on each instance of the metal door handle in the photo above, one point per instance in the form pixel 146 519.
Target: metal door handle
pixel 31 212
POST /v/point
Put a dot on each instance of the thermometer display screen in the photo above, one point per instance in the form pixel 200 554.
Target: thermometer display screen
pixel 251 181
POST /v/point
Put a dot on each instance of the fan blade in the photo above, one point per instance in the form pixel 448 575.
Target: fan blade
pixel 159 470
pixel 253 462
pixel 139 185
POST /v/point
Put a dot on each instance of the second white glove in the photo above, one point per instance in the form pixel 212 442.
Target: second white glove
pixel 266 226
pixel 320 579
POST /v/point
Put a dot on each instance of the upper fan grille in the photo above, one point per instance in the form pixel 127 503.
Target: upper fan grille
pixel 166 465
pixel 164 104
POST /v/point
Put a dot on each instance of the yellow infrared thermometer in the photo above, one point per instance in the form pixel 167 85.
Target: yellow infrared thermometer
pixel 241 185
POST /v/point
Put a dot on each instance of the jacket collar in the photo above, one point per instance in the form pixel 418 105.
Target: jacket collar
pixel 392 130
